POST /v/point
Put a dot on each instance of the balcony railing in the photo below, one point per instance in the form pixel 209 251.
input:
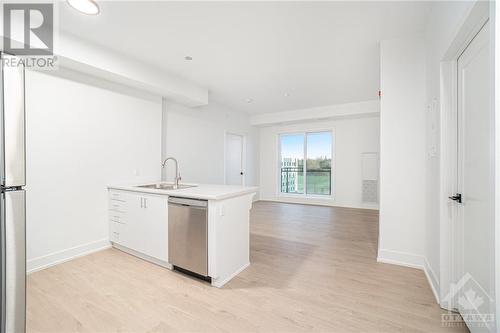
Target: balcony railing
pixel 318 182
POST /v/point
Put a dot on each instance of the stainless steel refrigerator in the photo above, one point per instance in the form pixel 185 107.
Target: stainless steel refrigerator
pixel 12 208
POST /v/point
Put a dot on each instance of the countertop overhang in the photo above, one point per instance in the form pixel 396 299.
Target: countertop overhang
pixel 198 191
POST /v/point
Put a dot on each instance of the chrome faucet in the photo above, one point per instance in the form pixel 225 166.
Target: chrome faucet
pixel 177 174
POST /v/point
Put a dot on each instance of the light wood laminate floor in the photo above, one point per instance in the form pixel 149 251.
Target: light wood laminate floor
pixel 312 269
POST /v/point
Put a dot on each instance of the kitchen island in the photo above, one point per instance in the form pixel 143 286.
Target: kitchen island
pixel 139 224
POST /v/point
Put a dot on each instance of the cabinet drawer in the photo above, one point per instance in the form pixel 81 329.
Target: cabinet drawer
pixel 117 206
pixel 115 230
pixel 118 218
pixel 114 236
pixel 117 197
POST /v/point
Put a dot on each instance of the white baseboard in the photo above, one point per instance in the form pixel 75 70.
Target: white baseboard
pixel 413 261
pixel 220 284
pixel 320 202
pixel 432 278
pixel 59 257
pixel 400 258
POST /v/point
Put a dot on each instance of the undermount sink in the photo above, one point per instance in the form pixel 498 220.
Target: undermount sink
pixel 161 186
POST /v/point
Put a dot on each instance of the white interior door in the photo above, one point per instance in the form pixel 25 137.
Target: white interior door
pixel 234 159
pixel 475 246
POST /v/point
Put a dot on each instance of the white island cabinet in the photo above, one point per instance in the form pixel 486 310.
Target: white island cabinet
pixel 139 225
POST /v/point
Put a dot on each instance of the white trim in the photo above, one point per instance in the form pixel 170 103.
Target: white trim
pixel 414 261
pixel 400 258
pixel 220 284
pixel 305 196
pixel 467 30
pixel 448 174
pixel 432 279
pixel 495 35
pixel 319 202
pixel 49 260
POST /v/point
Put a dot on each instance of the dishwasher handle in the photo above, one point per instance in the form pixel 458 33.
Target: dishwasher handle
pixel 195 203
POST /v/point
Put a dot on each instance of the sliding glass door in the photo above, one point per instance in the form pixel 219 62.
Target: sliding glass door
pixel 314 177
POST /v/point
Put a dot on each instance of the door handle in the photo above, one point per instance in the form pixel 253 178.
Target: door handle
pixel 457 197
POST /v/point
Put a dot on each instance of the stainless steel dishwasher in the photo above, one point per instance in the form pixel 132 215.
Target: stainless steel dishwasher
pixel 187 235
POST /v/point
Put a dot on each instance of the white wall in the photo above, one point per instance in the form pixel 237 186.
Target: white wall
pixel 402 151
pixel 79 139
pixel 195 137
pixel 443 25
pixel 352 137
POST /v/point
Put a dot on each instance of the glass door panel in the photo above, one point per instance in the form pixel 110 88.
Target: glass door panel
pixel 292 163
pixel 319 163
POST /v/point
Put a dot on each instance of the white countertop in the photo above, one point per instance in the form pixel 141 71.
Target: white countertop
pixel 198 191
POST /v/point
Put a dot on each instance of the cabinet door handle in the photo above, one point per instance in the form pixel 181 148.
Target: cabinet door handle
pixel 145 202
pixel 141 202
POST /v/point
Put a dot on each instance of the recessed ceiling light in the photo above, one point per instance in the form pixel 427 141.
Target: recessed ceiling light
pixel 89 7
pixel 249 100
pixel 188 58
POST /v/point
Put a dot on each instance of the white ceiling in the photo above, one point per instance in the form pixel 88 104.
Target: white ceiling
pixel 320 53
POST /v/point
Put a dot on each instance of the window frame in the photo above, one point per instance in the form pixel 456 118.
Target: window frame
pixel 332 172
